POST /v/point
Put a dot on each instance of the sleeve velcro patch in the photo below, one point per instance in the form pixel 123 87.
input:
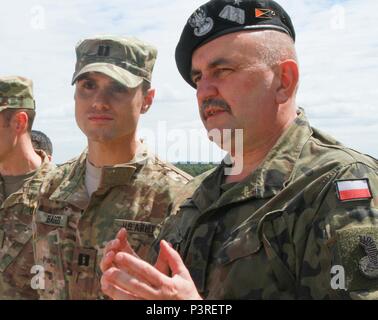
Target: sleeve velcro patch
pixel 357 247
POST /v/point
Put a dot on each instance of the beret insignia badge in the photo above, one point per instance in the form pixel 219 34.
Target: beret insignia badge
pixel 369 264
pixel 201 23
pixel 264 13
pixel 233 14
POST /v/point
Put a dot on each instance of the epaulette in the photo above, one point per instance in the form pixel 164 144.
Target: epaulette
pixel 173 168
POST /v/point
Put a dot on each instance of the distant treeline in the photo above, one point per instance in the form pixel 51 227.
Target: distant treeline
pixel 195 169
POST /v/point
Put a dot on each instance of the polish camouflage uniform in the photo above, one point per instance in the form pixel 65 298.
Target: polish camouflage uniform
pixel 278 233
pixel 71 228
pixel 16 254
pixel 308 210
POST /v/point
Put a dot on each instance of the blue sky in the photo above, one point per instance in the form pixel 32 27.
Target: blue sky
pixel 337 43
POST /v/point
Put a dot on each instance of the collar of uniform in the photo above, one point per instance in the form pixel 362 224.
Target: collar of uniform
pixel 267 180
pixel 31 187
pixel 121 174
pixel 117 175
pixel 73 190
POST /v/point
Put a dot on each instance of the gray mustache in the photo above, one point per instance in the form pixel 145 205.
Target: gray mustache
pixel 216 103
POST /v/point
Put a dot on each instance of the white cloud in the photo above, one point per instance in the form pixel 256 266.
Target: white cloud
pixel 337 47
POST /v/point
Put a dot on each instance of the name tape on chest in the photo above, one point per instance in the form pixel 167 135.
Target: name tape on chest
pixel 133 226
pixel 353 190
pixel 50 219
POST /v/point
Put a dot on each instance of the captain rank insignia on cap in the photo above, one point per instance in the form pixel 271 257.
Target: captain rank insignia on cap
pixel 103 51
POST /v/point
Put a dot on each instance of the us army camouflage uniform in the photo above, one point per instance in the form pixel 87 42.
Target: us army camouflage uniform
pixel 277 234
pixel 71 229
pixel 16 252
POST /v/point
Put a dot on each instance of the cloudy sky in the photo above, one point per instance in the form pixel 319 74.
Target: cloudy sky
pixel 337 43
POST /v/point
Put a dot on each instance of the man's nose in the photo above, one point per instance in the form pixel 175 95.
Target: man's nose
pixel 101 100
pixel 206 89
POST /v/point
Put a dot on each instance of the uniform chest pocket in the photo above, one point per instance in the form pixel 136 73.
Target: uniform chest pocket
pixel 64 224
pixel 240 245
pixel 252 243
pixel 12 240
pixel 55 242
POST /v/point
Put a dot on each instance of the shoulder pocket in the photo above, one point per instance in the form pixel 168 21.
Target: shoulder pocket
pixel 358 254
pixel 12 243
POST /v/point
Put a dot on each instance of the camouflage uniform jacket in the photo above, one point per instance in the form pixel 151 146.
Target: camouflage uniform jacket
pixel 279 233
pixel 72 229
pixel 16 252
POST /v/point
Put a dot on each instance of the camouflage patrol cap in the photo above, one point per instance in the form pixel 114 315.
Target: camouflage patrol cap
pixel 220 17
pixel 127 60
pixel 16 93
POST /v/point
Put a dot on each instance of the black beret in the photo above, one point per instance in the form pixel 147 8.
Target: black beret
pixel 219 17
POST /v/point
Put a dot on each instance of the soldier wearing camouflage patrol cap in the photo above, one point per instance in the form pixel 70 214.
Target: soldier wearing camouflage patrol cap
pixel 300 219
pixel 21 171
pixel 116 182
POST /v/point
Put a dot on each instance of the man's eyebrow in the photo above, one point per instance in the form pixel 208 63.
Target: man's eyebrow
pixel 216 63
pixel 116 84
pixel 84 77
pixel 194 72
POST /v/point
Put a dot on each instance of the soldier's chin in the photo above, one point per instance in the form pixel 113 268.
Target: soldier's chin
pixel 99 136
pixel 220 138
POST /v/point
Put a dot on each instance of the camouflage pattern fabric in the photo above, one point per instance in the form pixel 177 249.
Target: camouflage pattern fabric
pixel 16 252
pixel 279 233
pixel 71 229
pixel 16 93
pixel 128 60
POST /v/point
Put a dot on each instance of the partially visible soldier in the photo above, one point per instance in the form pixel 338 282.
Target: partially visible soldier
pixel 41 141
pixel 300 220
pixel 21 172
pixel 116 182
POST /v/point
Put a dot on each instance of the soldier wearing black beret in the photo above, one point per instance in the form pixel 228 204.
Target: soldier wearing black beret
pixel 295 216
pixel 217 18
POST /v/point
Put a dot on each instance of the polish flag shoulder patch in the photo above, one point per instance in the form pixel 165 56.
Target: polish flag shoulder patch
pixel 352 190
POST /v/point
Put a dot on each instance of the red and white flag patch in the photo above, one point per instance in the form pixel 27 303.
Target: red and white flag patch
pixel 348 190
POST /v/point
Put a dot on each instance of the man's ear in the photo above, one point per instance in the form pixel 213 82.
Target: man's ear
pixel 20 122
pixel 288 74
pixel 148 100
